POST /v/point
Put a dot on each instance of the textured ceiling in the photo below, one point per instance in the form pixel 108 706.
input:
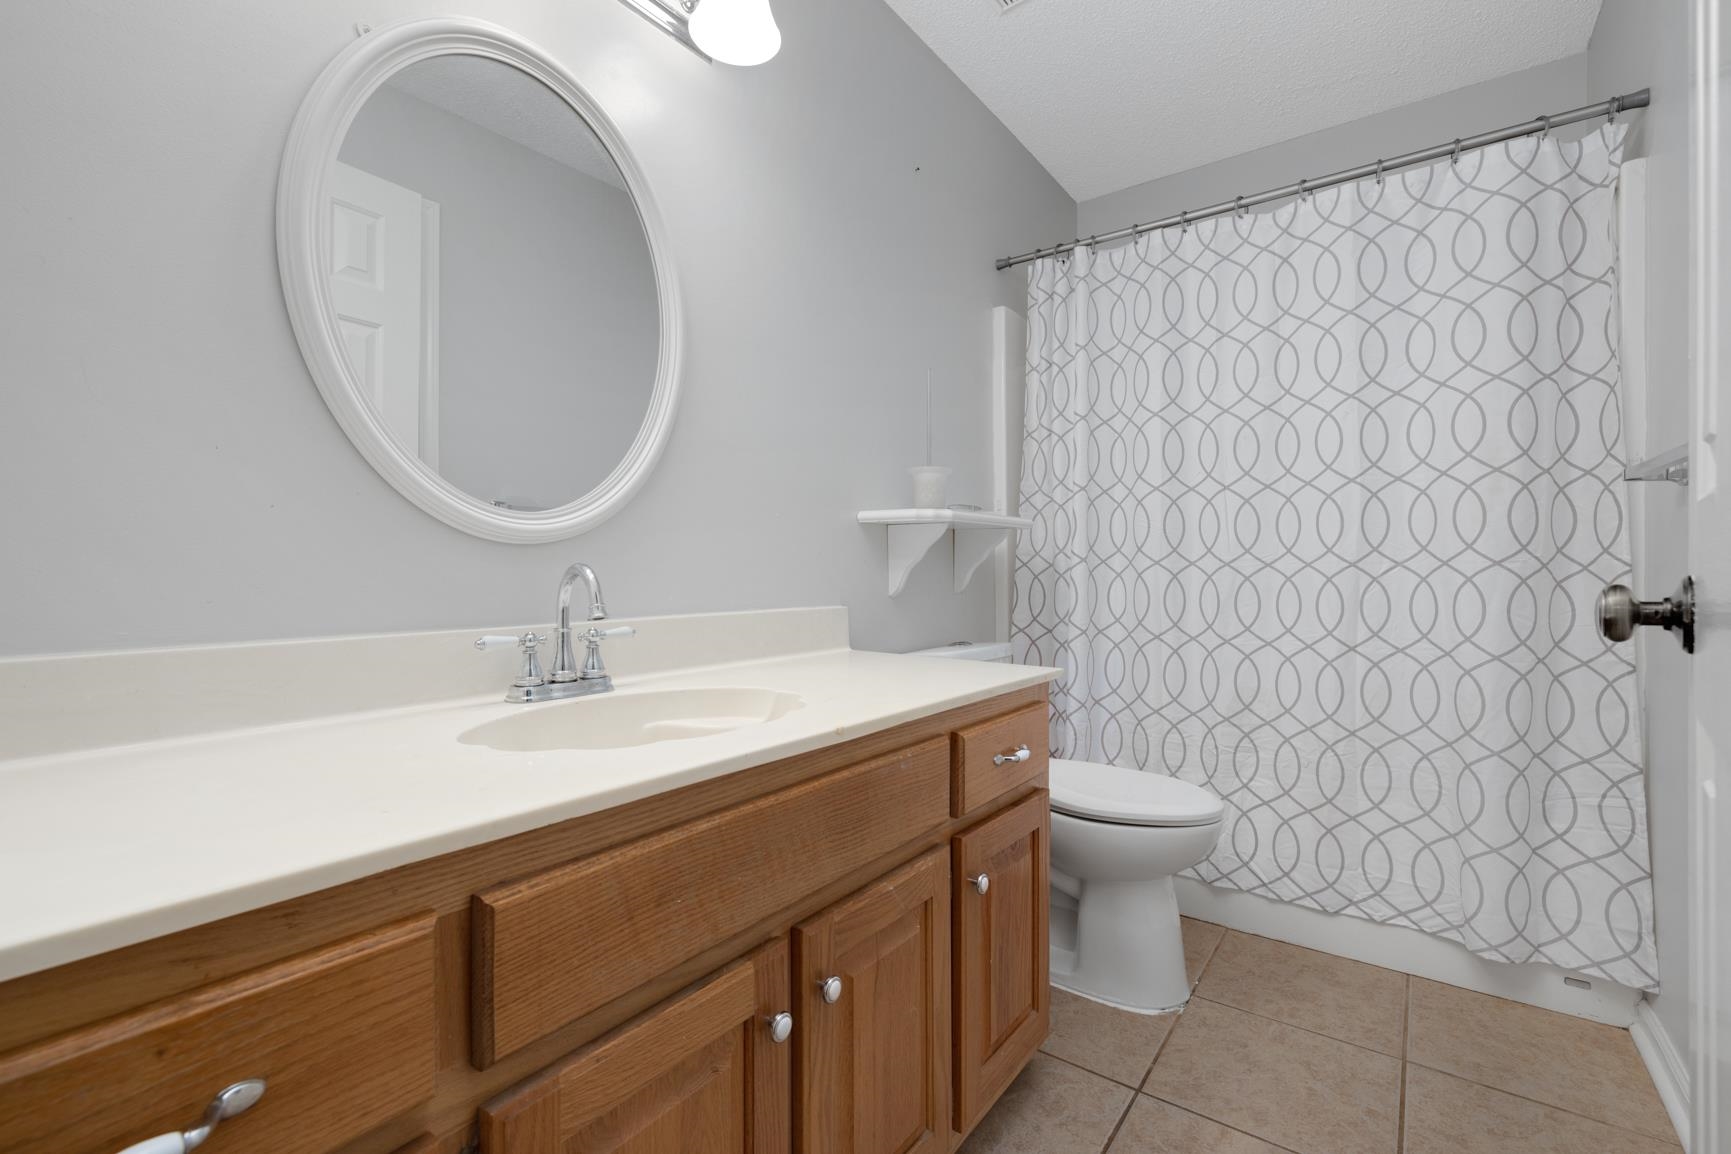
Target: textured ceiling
pixel 1110 93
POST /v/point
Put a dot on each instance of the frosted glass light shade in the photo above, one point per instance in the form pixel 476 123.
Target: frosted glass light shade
pixel 739 32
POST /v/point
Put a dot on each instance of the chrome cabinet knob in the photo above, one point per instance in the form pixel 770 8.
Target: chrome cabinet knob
pixel 1020 754
pixel 229 1101
pixel 1620 613
pixel 980 882
pixel 781 1027
pixel 831 989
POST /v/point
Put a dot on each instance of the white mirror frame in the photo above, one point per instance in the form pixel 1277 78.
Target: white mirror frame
pixel 303 242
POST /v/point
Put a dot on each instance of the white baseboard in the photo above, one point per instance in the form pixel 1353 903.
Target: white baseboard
pixel 1412 952
pixel 1665 1063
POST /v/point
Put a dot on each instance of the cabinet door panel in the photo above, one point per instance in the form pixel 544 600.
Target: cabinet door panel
pixel 873 1065
pixel 698 1074
pixel 1002 991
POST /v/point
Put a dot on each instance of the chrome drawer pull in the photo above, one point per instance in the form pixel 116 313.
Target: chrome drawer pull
pixel 231 1100
pixel 1021 754
pixel 781 1027
pixel 981 883
pixel 831 989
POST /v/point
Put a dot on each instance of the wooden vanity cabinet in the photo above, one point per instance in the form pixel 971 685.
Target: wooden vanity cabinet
pixel 702 1072
pixel 873 1023
pixel 1002 995
pixel 342 1037
pixel 602 984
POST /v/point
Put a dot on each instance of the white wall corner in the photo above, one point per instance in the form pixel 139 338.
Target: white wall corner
pixel 1665 1062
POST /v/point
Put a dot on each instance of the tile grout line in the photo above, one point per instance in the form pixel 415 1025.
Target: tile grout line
pixel 1404 1057
pixel 1215 949
pixel 1119 1124
pixel 1295 1026
pixel 1540 1102
pixel 1404 1063
pixel 1222 1125
pixel 1405 1024
pixel 1161 1048
pixel 1087 1070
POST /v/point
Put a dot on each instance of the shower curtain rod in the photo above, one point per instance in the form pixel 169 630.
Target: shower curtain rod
pixel 1606 108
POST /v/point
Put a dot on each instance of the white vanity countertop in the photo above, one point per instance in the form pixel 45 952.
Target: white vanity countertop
pixel 103 848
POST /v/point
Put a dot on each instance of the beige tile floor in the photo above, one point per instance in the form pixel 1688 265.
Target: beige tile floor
pixel 1284 1049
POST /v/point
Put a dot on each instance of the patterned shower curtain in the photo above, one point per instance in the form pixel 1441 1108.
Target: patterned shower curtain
pixel 1322 498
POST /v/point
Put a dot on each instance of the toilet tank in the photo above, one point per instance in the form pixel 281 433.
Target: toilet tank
pixel 969 651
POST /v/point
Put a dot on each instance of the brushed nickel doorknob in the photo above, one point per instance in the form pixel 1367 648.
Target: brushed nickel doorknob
pixel 1620 613
pixel 981 883
pixel 831 988
pixel 781 1027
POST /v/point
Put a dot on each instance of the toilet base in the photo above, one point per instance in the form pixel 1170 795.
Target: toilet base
pixel 1127 948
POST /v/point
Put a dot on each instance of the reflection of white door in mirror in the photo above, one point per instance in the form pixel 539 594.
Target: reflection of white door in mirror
pixel 515 373
pixel 376 286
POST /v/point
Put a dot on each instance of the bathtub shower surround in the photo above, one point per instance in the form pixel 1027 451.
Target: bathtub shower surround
pixel 1319 499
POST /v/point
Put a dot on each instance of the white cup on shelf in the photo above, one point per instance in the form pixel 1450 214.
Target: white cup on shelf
pixel 929 483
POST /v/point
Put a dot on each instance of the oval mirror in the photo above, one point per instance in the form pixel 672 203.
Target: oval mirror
pixel 478 279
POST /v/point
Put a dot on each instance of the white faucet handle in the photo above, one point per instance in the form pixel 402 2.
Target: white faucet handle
pixel 531 674
pixel 616 631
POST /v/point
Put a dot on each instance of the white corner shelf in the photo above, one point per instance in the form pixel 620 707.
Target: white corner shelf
pixel 911 534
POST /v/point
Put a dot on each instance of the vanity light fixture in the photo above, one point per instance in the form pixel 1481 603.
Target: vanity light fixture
pixel 741 32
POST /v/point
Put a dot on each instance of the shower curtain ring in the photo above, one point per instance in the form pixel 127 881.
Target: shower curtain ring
pixel 1545 132
pixel 1379 172
pixel 1616 103
pixel 1183 220
pixel 1455 156
pixel 1238 206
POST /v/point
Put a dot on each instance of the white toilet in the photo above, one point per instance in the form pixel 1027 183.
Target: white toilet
pixel 1118 836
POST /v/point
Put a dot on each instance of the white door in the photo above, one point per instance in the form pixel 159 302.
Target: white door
pixel 376 288
pixel 1710 549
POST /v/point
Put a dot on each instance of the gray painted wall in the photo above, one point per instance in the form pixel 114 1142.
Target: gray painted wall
pixel 1534 92
pixel 1639 44
pixel 547 314
pixel 172 475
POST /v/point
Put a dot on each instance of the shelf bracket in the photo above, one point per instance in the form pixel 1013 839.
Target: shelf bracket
pixel 973 548
pixel 908 544
pixel 912 533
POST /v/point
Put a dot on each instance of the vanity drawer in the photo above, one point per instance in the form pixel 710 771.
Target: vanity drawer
pixel 978 777
pixel 342 1036
pixel 552 947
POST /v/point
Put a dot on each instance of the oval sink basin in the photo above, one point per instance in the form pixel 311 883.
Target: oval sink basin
pixel 620 719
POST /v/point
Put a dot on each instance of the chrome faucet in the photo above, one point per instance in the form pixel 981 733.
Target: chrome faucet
pixel 568 679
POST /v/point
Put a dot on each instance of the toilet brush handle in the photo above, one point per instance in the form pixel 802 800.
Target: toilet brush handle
pixel 1021 754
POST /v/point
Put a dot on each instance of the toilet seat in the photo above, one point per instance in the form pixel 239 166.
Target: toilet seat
pixel 1110 793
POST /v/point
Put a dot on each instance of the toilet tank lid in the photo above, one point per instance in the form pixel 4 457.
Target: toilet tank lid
pixel 968 651
pixel 1111 793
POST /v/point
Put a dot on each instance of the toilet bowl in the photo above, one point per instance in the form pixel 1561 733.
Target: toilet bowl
pixel 1118 837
